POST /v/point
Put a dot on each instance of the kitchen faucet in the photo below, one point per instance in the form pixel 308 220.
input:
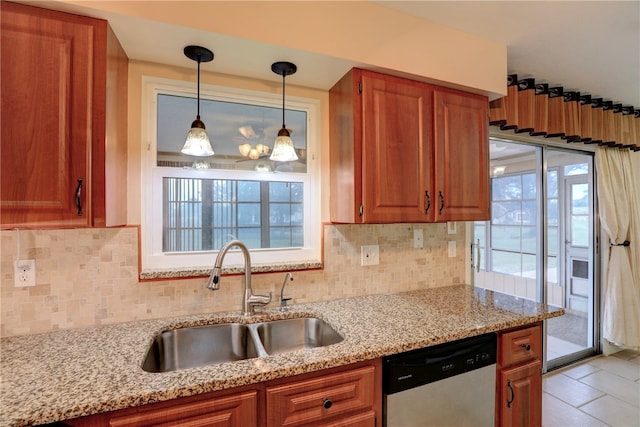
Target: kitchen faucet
pixel 250 301
pixel 283 300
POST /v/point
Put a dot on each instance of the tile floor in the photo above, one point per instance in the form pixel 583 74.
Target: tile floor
pixel 601 391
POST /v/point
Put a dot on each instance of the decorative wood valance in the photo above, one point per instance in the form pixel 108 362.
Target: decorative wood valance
pixel 538 109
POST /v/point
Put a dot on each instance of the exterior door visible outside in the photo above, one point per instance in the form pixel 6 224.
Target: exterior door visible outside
pixel 539 244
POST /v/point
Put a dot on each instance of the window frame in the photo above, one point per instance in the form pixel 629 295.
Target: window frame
pixel 152 256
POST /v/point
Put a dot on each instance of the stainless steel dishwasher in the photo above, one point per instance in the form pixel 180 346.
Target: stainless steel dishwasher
pixel 447 385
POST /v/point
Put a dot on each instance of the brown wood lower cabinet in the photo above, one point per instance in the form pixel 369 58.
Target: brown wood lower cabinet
pixel 337 397
pixel 519 381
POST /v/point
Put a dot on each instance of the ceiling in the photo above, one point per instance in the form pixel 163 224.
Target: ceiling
pixel 589 46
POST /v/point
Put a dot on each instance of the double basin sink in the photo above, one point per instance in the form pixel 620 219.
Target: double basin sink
pixel 191 347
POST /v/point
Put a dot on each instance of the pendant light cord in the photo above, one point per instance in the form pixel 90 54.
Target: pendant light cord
pixel 283 75
pixel 198 59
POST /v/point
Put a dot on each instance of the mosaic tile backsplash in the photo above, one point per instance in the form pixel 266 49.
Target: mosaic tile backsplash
pixel 87 277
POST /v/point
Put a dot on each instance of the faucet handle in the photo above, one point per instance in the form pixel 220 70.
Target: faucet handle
pixel 259 300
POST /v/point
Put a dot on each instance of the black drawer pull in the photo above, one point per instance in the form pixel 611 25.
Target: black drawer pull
pixel 327 403
pixel 526 346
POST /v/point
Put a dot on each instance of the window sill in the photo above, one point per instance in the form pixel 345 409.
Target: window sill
pixel 189 273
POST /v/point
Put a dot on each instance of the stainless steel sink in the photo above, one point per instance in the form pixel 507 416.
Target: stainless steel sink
pixel 207 345
pixel 280 336
pixel 198 346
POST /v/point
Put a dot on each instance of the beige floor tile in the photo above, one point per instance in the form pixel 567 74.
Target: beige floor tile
pixel 618 366
pixel 622 388
pixel 569 390
pixel 578 371
pixel 613 412
pixel 556 413
pixel 635 360
pixel 626 354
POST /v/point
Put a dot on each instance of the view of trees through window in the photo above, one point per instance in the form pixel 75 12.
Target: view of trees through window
pixel 203 214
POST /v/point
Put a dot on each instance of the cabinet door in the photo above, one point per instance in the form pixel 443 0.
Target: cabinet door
pixel 46 118
pixel 462 156
pixel 396 144
pixel 520 401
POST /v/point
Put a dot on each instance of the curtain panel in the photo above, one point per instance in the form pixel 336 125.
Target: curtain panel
pixel 619 210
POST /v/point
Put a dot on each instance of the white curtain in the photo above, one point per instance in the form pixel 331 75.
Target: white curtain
pixel 619 209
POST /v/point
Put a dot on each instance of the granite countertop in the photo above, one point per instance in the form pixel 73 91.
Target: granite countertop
pixel 66 374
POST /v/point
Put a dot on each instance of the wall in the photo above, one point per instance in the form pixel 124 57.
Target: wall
pixel 88 277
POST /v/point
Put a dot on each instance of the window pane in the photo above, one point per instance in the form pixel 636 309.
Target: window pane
pixel 506 238
pixel 577 169
pixel 552 240
pixel 506 262
pixel 552 211
pixel 506 188
pixel 529 239
pixel 529 212
pixel 279 192
pixel 229 125
pixel 529 186
pixel 506 213
pixel 248 214
pixel 248 191
pixel 580 231
pixel 279 214
pixel 552 183
pixel 580 199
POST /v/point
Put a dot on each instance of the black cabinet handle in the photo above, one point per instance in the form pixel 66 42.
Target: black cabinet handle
pixel 79 197
pixel 526 346
pixel 513 394
pixel 327 403
pixel 428 199
pixel 441 202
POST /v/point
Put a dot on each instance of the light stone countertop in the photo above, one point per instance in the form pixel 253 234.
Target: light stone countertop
pixel 66 374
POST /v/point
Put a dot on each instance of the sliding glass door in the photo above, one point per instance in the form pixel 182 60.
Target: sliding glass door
pixel 539 243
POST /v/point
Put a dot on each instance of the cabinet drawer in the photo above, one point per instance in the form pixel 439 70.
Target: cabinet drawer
pixel 238 410
pixel 519 346
pixel 317 400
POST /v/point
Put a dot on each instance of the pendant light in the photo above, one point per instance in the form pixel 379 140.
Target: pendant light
pixel 197 142
pixel 283 150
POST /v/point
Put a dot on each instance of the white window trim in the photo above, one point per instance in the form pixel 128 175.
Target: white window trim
pixel 152 257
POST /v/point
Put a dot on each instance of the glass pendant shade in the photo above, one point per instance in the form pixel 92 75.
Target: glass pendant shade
pixel 197 142
pixel 283 150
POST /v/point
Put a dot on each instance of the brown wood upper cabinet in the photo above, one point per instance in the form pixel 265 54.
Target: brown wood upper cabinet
pixel 406 151
pixel 64 112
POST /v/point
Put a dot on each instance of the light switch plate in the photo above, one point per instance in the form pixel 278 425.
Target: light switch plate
pixel 451 248
pixel 418 238
pixel 370 255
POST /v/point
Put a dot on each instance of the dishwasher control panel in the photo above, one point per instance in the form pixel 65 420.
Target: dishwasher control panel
pixel 423 366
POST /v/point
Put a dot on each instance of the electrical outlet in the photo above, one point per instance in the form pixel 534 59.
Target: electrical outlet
pixel 24 273
pixel 370 255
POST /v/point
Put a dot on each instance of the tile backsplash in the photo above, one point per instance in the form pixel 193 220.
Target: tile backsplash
pixel 87 277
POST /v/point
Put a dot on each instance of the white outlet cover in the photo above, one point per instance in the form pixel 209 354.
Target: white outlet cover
pixel 369 255
pixel 451 248
pixel 24 273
